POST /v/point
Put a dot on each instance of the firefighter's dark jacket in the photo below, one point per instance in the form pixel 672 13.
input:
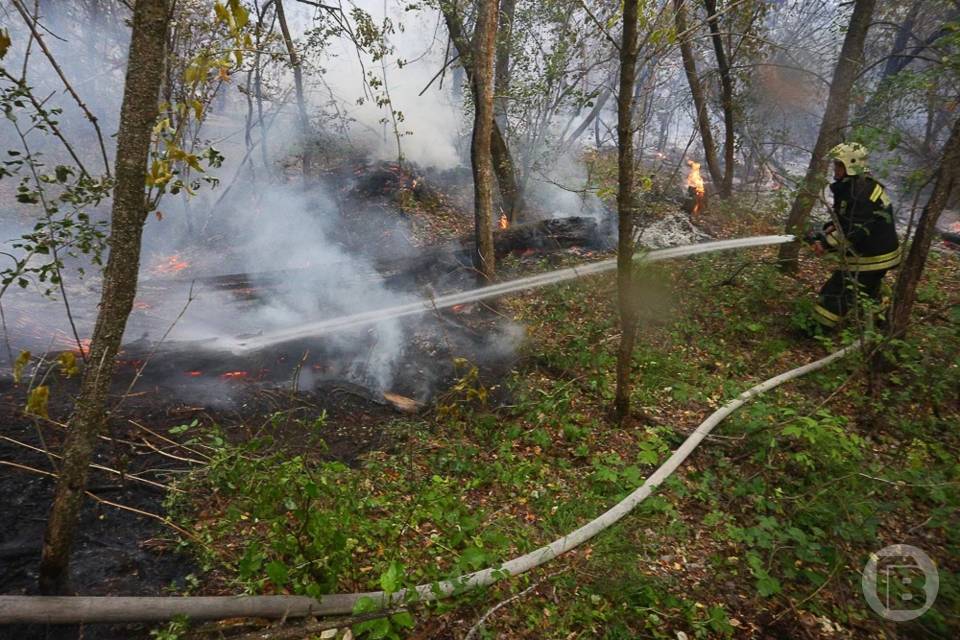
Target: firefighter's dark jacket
pixel 863 229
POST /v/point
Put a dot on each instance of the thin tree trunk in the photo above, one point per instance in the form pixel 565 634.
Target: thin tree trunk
pixel 503 165
pixel 305 133
pixel 834 119
pixel 626 206
pixel 502 69
pixel 138 113
pixel 484 50
pixel 948 175
pixel 598 105
pixel 696 90
pixel 726 98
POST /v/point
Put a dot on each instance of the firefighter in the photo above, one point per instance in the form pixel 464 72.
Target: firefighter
pixel 861 233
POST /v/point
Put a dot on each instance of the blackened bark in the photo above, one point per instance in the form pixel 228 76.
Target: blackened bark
pixel 503 165
pixel 726 98
pixel 834 119
pixel 484 50
pixel 626 206
pixel 138 113
pixel 696 90
pixel 305 130
pixel 948 175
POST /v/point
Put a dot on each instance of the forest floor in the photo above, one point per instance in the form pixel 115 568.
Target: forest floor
pixel 763 533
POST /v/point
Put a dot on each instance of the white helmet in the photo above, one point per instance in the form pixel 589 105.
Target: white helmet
pixel 852 155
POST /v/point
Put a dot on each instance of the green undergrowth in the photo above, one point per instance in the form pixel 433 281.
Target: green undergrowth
pixel 767 526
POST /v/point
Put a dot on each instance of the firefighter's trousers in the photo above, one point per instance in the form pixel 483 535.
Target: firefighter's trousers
pixel 839 294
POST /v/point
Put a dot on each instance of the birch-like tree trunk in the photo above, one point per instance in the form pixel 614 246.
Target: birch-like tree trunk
pixel 484 50
pixel 626 206
pixel 834 120
pixel 138 113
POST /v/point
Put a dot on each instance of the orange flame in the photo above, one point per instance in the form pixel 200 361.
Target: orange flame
pixel 695 182
pixel 171 264
pixel 83 349
pixel 234 375
pixel 504 223
pixel 194 374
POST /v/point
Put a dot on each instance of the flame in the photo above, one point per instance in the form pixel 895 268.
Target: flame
pixel 170 264
pixel 694 179
pixel 695 182
pixel 235 375
pixel 504 223
pixel 194 374
pixel 84 347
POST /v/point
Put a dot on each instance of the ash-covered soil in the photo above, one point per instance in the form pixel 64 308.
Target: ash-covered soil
pixel 278 392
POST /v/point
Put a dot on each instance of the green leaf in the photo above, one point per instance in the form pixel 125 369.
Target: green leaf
pixel 473 557
pixel 366 604
pixel 403 619
pixel 277 572
pixel 390 579
pixel 768 586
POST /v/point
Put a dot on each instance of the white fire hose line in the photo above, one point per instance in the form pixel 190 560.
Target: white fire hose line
pixel 52 609
pixel 446 301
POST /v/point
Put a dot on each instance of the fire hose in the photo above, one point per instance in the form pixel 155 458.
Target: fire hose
pixel 87 609
pixel 107 609
pixel 446 301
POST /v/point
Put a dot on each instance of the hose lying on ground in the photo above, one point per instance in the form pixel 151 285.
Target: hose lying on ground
pixel 74 609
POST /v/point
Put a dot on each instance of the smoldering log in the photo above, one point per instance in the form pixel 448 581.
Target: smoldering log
pixel 545 236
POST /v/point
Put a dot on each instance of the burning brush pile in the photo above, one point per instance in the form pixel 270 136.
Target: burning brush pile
pixel 319 255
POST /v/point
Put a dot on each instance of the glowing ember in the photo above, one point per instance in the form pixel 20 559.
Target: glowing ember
pixel 171 264
pixel 695 182
pixel 504 223
pixel 194 374
pixel 235 375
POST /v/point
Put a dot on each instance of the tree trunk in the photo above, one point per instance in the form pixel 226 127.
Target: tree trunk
pixel 137 116
pixel 484 49
pixel 726 98
pixel 502 69
pixel 305 133
pixel 626 206
pixel 948 174
pixel 503 165
pixel 834 119
pixel 696 90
